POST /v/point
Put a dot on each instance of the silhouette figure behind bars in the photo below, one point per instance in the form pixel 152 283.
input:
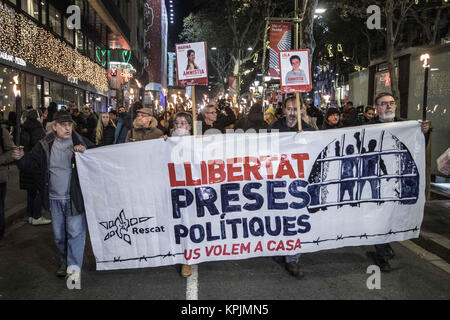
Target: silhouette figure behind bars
pixel 348 171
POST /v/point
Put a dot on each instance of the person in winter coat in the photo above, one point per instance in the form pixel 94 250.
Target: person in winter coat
pixel 124 125
pixel 90 125
pixel 32 132
pixel 144 127
pixel 332 119
pixel 270 117
pixel 182 127
pixel 6 150
pixel 290 124
pixel 105 130
pixel 54 157
pixel 386 106
pixel 254 119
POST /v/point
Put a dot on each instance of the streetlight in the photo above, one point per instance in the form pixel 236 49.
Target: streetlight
pixel 425 58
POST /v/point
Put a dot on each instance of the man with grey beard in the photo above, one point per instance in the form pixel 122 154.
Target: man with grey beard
pixel 386 105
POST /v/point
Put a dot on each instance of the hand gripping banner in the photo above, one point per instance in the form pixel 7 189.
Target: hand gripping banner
pixel 238 196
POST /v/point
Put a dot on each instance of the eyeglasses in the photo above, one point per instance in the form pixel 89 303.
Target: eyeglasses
pixel 181 123
pixel 387 103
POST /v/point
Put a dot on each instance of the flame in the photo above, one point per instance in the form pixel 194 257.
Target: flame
pixel 425 58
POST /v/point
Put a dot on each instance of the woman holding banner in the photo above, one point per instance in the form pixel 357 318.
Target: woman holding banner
pixel 182 127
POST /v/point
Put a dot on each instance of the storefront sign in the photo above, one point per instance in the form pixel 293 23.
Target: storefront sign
pixel 13 59
pixel 73 80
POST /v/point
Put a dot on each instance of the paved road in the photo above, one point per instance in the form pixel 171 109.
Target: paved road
pixel 28 262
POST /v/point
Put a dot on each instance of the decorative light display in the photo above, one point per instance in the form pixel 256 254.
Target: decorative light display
pixel 22 38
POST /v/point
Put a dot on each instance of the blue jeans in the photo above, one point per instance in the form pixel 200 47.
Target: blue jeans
pixel 69 232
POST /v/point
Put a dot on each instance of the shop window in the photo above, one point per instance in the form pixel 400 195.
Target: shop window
pixel 44 12
pixel 55 19
pixel 68 33
pixel 57 93
pixel 7 98
pixel 79 38
pixel 91 49
pixel 31 7
pixel 32 91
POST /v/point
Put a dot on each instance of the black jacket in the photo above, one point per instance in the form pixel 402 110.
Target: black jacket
pixel 108 135
pixel 32 132
pixel 282 126
pixel 39 159
pixel 327 126
pixel 350 118
pixel 252 121
pixel 91 125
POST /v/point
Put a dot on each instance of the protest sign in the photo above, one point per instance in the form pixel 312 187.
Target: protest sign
pixel 192 64
pixel 295 71
pixel 237 196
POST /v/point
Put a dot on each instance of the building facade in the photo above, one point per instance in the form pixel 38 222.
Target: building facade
pixel 58 60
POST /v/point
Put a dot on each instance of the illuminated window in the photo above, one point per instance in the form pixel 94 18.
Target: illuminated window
pixel 55 19
pixel 32 8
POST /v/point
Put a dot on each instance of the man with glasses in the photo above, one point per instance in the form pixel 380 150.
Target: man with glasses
pixel 214 120
pixel 386 105
pixel 54 157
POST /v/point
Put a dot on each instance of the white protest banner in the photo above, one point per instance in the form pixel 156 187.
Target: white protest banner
pixel 192 65
pixel 237 196
pixel 295 71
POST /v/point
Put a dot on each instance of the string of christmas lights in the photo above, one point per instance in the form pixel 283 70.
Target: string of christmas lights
pixel 22 38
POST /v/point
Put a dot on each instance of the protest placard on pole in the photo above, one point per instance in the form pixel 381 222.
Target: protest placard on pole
pixel 192 65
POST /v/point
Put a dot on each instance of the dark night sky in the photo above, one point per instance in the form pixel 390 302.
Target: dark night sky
pixel 182 10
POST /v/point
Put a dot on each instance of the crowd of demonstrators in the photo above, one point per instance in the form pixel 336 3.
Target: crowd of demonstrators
pixel 105 131
pixel 54 157
pixel 51 156
pixel 32 131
